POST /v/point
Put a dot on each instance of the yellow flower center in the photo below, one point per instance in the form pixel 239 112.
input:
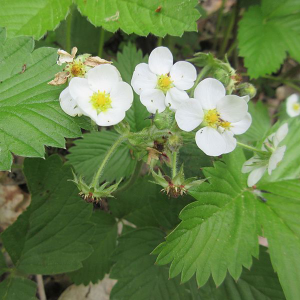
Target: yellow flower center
pixel 212 119
pixel 164 82
pixel 296 106
pixel 76 69
pixel 101 102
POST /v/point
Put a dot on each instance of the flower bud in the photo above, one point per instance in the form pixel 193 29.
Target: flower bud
pixel 174 142
pixel 165 119
pixel 247 88
pixel 122 128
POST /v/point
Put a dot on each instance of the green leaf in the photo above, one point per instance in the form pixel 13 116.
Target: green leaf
pixel 267 33
pixel 141 17
pixel 138 277
pixel 52 235
pixel 279 217
pixel 15 288
pixel 127 60
pixel 261 123
pixel 2 263
pixel 143 204
pixel 30 17
pixel 218 231
pixel 30 114
pixel 259 283
pixel 88 153
pixel 103 242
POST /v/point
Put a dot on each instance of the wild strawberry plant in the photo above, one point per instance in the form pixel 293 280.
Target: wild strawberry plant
pixel 173 175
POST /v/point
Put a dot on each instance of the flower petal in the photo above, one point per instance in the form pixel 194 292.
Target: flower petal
pixel 79 88
pixel 229 140
pixel 175 97
pixel 246 98
pixel 183 75
pixel 160 60
pixel 121 95
pixel 111 117
pixel 276 158
pixel 143 78
pixel 209 91
pixel 210 141
pixel 189 115
pixel 256 175
pixel 232 108
pixel 290 102
pixel 241 126
pixel 154 100
pixel 68 104
pixel 249 165
pixel 280 134
pixel 103 78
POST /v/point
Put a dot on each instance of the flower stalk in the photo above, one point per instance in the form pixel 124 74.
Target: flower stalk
pixel 250 148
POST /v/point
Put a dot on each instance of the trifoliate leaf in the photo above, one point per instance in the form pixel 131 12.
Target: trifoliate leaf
pixel 52 235
pixel 30 17
pixel 127 60
pixel 218 231
pixel 259 283
pixel 17 288
pixel 138 277
pixel 261 123
pixel 171 17
pixel 143 204
pixel 30 114
pixel 89 152
pixel 267 33
pixel 279 217
pixel 103 242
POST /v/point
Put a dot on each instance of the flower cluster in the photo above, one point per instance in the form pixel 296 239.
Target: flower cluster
pixel 269 159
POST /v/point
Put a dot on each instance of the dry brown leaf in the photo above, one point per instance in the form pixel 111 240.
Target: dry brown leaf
pixel 60 78
pixel 94 61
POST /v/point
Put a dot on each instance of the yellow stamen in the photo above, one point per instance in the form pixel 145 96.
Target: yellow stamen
pixel 225 124
pixel 76 69
pixel 164 82
pixel 212 119
pixel 296 106
pixel 101 101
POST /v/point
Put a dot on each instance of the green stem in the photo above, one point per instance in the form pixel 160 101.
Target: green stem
pixel 201 75
pixel 174 164
pixel 250 148
pixel 101 42
pixel 159 41
pixel 219 21
pixel 108 155
pixel 68 32
pixel 133 178
pixel 227 33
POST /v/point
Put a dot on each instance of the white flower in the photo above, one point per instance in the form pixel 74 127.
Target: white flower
pixel 160 83
pixel 222 116
pixel 293 105
pixel 257 165
pixel 102 96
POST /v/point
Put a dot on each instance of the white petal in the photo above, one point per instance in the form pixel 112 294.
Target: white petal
pixel 160 60
pixel 232 108
pixel 175 97
pixel 110 117
pixel 183 75
pixel 68 104
pixel 291 100
pixel 103 78
pixel 229 140
pixel 276 158
pixel 209 91
pixel 241 126
pixel 189 115
pixel 280 134
pixel 249 165
pixel 210 141
pixel 143 78
pixel 121 96
pixel 256 175
pixel 79 89
pixel 153 100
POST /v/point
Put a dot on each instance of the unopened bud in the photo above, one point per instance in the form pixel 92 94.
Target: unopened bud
pixel 247 88
pixel 164 120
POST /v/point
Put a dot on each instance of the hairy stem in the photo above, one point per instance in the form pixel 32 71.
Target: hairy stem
pixel 68 32
pixel 40 286
pixel 159 41
pixel 108 155
pixel 101 42
pixel 250 148
pixel 219 21
pixel 174 164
